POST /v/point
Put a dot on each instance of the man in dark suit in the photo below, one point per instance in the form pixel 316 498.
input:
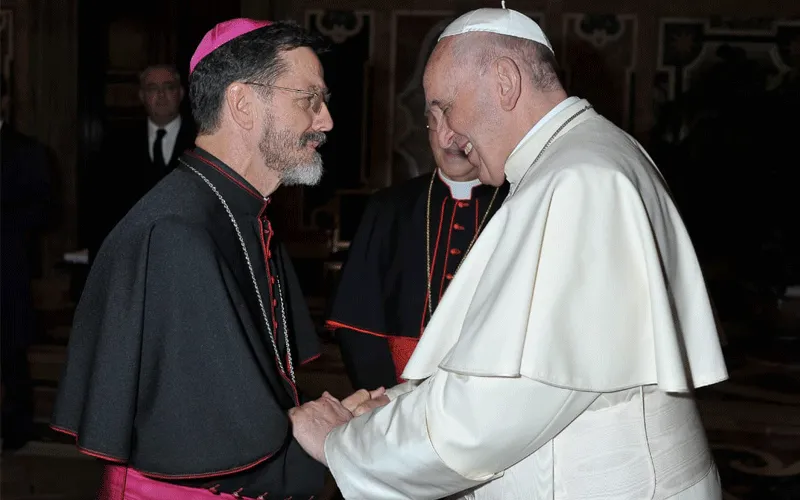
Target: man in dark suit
pixel 25 201
pixel 137 155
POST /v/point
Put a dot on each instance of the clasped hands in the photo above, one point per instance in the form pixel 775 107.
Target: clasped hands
pixel 313 421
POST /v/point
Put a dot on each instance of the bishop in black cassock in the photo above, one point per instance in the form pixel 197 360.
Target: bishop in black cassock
pixel 409 245
pixel 169 369
pixel 181 362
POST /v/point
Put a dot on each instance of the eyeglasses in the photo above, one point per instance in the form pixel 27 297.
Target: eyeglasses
pixel 315 99
pixel 153 88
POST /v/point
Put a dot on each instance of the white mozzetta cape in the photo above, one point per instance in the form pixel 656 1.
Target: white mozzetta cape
pixel 585 278
pixel 546 370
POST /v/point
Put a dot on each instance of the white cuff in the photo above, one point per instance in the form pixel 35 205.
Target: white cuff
pixel 387 454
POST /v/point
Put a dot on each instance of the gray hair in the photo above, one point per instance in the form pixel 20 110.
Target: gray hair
pixel 533 58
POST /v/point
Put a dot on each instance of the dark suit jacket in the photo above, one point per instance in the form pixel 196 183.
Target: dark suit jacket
pixel 26 195
pixel 125 173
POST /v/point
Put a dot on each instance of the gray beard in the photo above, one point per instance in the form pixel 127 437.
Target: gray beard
pixel 276 148
pixel 308 174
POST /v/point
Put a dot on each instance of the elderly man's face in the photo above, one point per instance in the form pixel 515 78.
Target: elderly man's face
pixel 297 120
pixel 461 101
pixel 161 93
pixel 451 160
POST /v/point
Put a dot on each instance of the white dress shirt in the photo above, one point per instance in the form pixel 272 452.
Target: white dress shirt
pixel 168 144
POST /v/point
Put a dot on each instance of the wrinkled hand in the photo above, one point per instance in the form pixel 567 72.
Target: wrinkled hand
pixel 312 422
pixel 362 401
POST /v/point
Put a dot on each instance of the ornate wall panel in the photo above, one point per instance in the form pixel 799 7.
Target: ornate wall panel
pixel 691 50
pixel 133 44
pixel 414 34
pixel 599 62
pixel 724 88
pixel 348 75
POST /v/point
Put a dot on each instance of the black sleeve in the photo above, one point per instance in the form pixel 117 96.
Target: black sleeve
pixel 359 299
pixel 367 359
pixel 358 314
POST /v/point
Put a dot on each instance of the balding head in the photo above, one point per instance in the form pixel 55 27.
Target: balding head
pixel 490 89
pixel 536 62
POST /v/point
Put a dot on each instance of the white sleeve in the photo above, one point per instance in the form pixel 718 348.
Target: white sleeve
pixel 398 390
pixel 483 425
pixel 451 433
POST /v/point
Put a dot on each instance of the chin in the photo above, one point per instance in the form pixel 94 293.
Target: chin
pixel 304 175
pixel 486 178
pixel 463 172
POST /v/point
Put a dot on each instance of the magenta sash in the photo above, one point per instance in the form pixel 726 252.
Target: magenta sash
pixel 123 483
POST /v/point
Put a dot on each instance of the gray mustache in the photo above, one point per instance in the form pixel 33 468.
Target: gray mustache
pixel 318 137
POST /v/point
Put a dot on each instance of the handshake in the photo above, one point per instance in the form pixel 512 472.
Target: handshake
pixel 313 421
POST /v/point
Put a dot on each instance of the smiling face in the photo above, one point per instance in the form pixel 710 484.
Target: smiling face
pixel 451 160
pixel 463 102
pixel 297 119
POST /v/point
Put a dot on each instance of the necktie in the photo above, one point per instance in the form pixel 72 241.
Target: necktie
pixel 158 150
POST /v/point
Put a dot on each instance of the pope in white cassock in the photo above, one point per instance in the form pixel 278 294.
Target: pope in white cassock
pixel 562 359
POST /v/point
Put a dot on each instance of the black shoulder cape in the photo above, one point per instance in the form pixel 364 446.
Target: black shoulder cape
pixel 169 366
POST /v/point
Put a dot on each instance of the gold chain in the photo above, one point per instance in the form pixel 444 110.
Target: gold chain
pixel 429 277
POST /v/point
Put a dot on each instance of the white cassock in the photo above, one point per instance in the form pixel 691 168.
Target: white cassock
pixel 561 361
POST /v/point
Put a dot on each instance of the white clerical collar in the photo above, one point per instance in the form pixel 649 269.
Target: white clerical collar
pixel 171 128
pixel 459 190
pixel 553 112
pixel 561 123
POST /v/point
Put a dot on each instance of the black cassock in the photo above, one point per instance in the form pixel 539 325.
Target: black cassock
pixel 381 304
pixel 170 369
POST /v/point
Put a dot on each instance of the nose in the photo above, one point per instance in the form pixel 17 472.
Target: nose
pixel 445 134
pixel 323 121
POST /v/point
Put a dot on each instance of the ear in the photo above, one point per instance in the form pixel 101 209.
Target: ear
pixel 180 99
pixel 239 101
pixel 141 96
pixel 509 82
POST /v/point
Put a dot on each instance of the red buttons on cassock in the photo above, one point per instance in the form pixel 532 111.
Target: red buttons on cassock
pixel 449 276
pixel 458 227
pixel 455 251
